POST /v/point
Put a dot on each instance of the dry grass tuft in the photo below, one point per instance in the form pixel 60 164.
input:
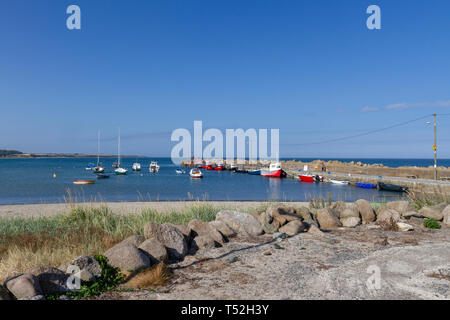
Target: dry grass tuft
pixel 154 276
pixel 421 198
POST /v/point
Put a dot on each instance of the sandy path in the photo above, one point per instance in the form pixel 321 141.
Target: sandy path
pixel 41 210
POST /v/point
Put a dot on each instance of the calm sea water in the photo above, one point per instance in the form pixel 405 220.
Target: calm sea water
pixel 31 181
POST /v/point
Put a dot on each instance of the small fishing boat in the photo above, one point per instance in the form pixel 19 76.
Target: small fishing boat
pixel 102 176
pixel 274 171
pixel 196 173
pixel 136 166
pixel 84 182
pixel 180 171
pixel 241 170
pixel 366 185
pixel 391 187
pixel 233 167
pixel 339 182
pixel 306 178
pixel 218 167
pixel 154 168
pixel 119 171
pixel 254 172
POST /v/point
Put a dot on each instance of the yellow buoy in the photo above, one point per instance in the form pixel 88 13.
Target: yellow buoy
pixel 54 175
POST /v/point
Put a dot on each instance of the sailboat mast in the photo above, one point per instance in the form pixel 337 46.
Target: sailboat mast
pixel 98 149
pixel 118 150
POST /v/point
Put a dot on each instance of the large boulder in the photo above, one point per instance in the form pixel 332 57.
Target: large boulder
pixel 4 294
pixel 268 223
pixel 134 239
pixel 293 227
pixel 185 230
pixel 283 214
pixel 337 207
pixel 90 269
pixel 401 207
pixel 365 210
pixel 385 215
pixel 434 212
pixel 240 222
pixel 51 280
pixel 24 285
pixel 446 215
pixel 202 228
pixel 305 215
pixel 168 236
pixel 127 257
pixel 222 228
pixel 155 250
pixel 203 242
pixel 328 219
pixel 349 216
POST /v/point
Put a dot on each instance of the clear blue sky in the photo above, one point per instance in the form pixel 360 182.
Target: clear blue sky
pixel 310 68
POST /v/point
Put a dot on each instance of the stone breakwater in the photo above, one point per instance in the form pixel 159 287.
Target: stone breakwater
pixel 175 244
pixel 416 178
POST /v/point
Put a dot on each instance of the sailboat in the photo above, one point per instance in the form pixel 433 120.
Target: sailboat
pixel 119 170
pixel 98 169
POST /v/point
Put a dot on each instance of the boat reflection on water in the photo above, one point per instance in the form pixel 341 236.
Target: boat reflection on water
pixel 274 191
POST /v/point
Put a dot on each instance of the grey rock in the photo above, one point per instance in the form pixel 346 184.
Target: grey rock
pixel 315 230
pixel 24 285
pixel 328 219
pixel 240 222
pixel 134 239
pixel 400 206
pixel 202 228
pixel 385 215
pixel 293 227
pixel 410 214
pixel 88 264
pixel 168 236
pixel 434 212
pixel 4 294
pixel 185 230
pixel 446 215
pixel 282 215
pixel 127 257
pixel 155 250
pixel 51 280
pixel 232 259
pixel 205 241
pixel 349 217
pixel 268 223
pixel 222 228
pixel 38 297
pixel 365 210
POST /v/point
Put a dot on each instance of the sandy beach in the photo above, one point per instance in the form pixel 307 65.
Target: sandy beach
pixel 53 209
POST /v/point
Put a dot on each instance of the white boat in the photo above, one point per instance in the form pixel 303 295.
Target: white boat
pixel 98 168
pixel 180 171
pixel 339 181
pixel 196 173
pixel 119 170
pixel 136 166
pixel 153 167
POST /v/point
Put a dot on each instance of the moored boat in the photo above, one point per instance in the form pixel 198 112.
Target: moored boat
pixel 180 171
pixel 119 170
pixel 84 182
pixel 339 182
pixel 154 167
pixel 391 187
pixel 366 185
pixel 274 171
pixel 136 166
pixel 254 172
pixel 306 178
pixel 98 168
pixel 196 173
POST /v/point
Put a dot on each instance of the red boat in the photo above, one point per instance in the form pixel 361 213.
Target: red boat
pixel 306 178
pixel 218 168
pixel 274 171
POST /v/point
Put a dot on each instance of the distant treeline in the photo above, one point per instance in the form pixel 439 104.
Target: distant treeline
pixel 5 153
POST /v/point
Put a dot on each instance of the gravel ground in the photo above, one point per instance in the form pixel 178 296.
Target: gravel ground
pixel 335 265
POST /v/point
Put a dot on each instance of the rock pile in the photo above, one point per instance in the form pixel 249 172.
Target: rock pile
pixel 171 243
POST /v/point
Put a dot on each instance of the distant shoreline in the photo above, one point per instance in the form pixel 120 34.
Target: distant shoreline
pixel 66 155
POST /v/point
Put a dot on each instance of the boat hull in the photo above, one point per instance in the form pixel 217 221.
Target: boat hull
pixel 254 172
pixel 366 185
pixel 273 174
pixel 391 187
pixel 306 178
pixel 84 182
